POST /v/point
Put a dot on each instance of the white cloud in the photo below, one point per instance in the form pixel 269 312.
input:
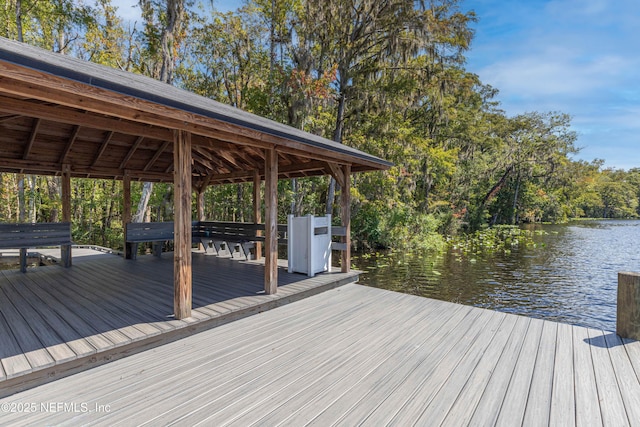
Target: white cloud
pixel 575 56
pixel 552 73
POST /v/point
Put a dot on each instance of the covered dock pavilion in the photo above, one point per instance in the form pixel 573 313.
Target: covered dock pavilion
pixel 353 355
pixel 71 118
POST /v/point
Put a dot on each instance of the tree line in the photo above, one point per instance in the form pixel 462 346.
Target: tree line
pixel 385 76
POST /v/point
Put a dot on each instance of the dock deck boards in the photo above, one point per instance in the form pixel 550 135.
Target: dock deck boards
pixel 357 355
pixel 56 320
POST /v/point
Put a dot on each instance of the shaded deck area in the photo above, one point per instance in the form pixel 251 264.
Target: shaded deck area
pixel 55 321
pixel 357 355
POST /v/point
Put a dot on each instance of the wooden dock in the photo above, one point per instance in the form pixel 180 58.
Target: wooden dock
pixel 357 355
pixel 55 321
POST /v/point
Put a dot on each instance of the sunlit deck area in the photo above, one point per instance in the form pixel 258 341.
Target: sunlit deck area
pixel 55 321
pixel 350 356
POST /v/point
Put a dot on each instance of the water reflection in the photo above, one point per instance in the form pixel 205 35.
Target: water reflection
pixel 571 276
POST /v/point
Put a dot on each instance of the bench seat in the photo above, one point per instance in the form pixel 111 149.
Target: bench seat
pixel 24 236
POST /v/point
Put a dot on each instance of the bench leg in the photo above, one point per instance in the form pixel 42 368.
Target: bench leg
pixel 23 260
pixel 65 255
pixel 205 244
pixel 131 251
pixel 157 249
pixel 246 247
pixel 217 245
pixel 232 249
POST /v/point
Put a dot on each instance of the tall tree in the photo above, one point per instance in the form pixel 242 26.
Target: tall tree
pixel 366 39
pixel 163 34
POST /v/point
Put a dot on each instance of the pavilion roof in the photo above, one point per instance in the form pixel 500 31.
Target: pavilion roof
pixel 57 111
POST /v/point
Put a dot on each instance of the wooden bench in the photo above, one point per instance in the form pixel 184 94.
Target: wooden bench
pixel 234 235
pixel 24 236
pixel 155 233
pixel 240 235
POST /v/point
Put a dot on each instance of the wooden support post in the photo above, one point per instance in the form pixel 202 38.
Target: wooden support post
pixel 257 206
pixel 65 250
pixel 126 214
pixel 345 214
pixel 182 276
pixel 271 222
pixel 628 316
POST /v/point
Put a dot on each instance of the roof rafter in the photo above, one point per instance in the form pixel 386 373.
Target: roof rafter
pixel 72 139
pixel 32 138
pixel 130 108
pixel 131 151
pixel 103 147
pixel 156 156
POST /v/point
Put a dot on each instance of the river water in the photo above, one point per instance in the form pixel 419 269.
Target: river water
pixel 569 276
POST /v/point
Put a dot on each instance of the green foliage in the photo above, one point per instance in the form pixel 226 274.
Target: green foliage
pixel 501 238
pixel 384 77
pixel 377 227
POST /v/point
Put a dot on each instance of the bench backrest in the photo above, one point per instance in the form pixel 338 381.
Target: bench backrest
pixel 149 231
pixel 15 236
pixel 156 231
pixel 237 229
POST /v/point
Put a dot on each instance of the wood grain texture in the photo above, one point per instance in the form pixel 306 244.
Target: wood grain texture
pixel 107 121
pixel 106 307
pixel 182 274
pixel 353 356
pixel 271 222
pixel 628 308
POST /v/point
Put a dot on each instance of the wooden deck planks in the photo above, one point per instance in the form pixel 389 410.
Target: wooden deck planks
pixel 77 322
pixel 357 355
pixel 626 376
pixel 633 352
pixel 96 306
pixel 143 376
pixel 25 338
pixel 563 388
pixel 611 403
pixel 54 322
pixel 91 311
pixel 449 343
pixel 136 373
pixel 515 401
pixel 586 390
pixel 149 318
pixel 539 403
pixel 369 392
pixel 326 384
pixel 440 386
pixel 221 372
pixel 345 353
pixel 463 408
pixel 42 333
pixel 286 350
pixel 490 403
pixel 14 361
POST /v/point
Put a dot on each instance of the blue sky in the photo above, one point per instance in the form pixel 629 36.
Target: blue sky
pixel 580 57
